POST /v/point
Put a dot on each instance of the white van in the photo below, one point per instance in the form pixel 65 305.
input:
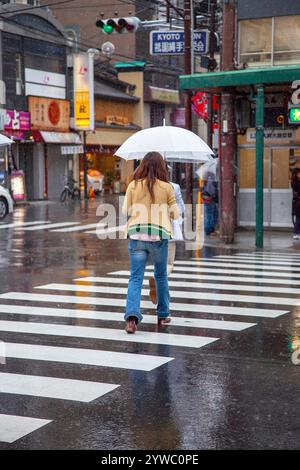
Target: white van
pixel 6 202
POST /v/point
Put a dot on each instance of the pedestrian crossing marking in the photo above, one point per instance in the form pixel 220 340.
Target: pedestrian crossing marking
pixel 109 230
pixel 119 317
pixel 86 391
pixel 266 257
pixel 49 226
pixel 91 357
pixel 23 224
pixel 109 334
pixel 238 272
pixel 178 294
pixel 53 387
pixel 234 265
pixel 13 428
pixel 246 260
pixel 197 285
pixel 209 277
pixel 78 228
pixel 207 308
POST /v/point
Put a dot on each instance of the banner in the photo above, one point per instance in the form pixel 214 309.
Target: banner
pixel 49 114
pixel 84 91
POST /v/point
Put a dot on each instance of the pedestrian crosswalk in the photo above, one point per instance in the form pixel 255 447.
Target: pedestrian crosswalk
pixel 209 298
pixel 56 227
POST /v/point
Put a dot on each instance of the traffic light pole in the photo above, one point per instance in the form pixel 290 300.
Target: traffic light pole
pixel 228 131
pixel 188 96
pixel 212 28
pixel 85 167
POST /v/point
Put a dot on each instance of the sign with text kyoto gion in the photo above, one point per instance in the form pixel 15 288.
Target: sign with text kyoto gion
pixel 172 42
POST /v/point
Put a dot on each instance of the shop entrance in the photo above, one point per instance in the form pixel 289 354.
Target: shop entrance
pixel 278 162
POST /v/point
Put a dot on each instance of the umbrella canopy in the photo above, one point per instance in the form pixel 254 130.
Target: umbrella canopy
pixel 209 168
pixel 5 140
pixel 174 143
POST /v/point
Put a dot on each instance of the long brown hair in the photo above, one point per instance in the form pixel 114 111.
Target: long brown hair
pixel 152 167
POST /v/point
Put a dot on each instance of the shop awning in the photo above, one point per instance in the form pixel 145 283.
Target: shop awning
pixel 236 78
pixel 59 137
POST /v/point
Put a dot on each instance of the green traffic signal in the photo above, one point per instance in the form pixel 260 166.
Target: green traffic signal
pixel 108 29
pixel 294 117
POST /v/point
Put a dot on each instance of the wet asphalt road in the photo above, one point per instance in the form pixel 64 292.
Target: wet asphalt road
pixel 239 392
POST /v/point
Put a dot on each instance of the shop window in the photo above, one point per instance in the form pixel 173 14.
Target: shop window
pixel 256 41
pixel 287 40
pixel 269 41
pixel 247 167
pixel 280 168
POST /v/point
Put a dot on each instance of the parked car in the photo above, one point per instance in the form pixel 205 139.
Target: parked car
pixel 6 202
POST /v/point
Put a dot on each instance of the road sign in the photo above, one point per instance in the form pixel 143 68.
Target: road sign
pixel 172 42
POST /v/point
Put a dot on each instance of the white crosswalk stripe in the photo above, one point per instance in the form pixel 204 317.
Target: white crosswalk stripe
pixel 210 277
pixel 178 294
pixel 49 226
pixel 245 259
pixel 196 285
pixel 236 264
pixel 114 302
pixel 92 357
pixel 23 224
pixel 13 428
pixel 53 387
pixel 238 272
pixel 119 317
pixel 109 334
pixel 270 253
pixel 79 228
pixel 265 257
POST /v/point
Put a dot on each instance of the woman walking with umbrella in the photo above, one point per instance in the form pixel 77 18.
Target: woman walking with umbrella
pixel 151 205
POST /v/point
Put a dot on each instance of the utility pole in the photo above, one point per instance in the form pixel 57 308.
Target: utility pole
pixel 212 30
pixel 228 131
pixel 188 35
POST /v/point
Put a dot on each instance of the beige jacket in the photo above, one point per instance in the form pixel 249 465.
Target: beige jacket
pixel 146 216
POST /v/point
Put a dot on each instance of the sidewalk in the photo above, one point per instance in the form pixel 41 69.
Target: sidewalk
pixel 245 240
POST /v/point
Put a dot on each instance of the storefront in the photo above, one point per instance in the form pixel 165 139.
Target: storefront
pixel 281 155
pixel 56 149
pixel 265 155
pixel 116 116
pixel 20 154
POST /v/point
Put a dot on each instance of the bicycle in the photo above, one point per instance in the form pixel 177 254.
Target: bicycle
pixel 70 191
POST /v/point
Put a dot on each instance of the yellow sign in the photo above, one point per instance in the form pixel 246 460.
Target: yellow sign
pixel 82 108
pixel 84 91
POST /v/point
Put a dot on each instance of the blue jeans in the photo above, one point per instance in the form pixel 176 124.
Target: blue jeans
pixel 210 217
pixel 139 252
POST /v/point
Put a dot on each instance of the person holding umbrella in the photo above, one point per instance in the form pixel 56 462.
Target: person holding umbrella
pixel 150 204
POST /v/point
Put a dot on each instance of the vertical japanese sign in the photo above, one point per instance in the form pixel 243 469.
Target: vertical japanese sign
pixel 84 91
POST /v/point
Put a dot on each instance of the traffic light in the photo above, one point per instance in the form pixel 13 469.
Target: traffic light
pixel 119 25
pixel 294 115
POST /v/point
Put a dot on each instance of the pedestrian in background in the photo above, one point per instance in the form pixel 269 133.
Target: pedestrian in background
pixel 210 200
pixel 295 183
pixel 177 236
pixel 150 204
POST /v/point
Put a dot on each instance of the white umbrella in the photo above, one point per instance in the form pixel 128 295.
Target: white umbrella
pixel 210 167
pixel 5 140
pixel 174 143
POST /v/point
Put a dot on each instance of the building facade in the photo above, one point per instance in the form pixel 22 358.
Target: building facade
pixel 268 35
pixel 34 69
